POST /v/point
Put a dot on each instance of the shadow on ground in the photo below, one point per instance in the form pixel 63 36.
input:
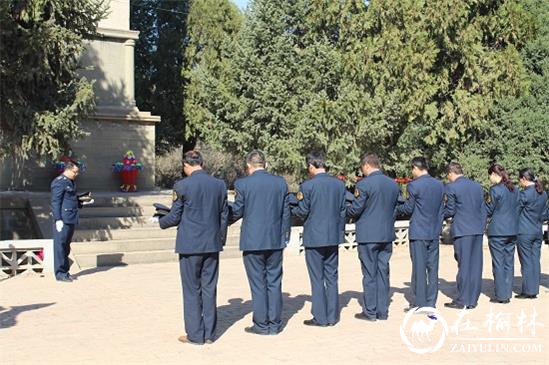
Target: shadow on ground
pixel 8 317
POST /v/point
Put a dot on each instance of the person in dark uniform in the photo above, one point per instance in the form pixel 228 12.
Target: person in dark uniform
pixel 532 208
pixel 425 204
pixel 373 209
pixel 64 208
pixel 262 202
pixel 465 205
pixel 502 210
pixel 321 204
pixel 200 212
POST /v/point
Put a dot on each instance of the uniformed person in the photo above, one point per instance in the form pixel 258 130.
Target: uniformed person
pixel 532 208
pixel 321 204
pixel 465 205
pixel 200 212
pixel 502 210
pixel 425 204
pixel 373 209
pixel 262 202
pixel 64 207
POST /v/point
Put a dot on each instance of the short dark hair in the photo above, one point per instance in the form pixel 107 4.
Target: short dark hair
pixel 455 168
pixel 420 162
pixel 371 159
pixel 193 158
pixel 256 158
pixel 316 159
pixel 71 164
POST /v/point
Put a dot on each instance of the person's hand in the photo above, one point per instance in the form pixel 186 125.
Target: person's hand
pixel 153 220
pixel 88 202
pixel 59 225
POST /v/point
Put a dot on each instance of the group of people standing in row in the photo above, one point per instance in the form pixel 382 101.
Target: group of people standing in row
pixel 202 213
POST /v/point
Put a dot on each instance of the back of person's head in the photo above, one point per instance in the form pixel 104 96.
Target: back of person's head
pixel 193 158
pixel 316 159
pixel 370 159
pixel 454 168
pixel 529 175
pixel 256 159
pixel 420 162
pixel 501 172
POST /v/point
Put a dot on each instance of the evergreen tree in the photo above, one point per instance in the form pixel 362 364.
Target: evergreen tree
pixel 158 64
pixel 397 77
pixel 42 99
pixel 518 136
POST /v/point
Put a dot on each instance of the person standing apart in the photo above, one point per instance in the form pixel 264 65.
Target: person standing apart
pixel 373 209
pixel 502 211
pixel 321 203
pixel 533 211
pixel 64 208
pixel 200 212
pixel 425 204
pixel 465 205
pixel 262 202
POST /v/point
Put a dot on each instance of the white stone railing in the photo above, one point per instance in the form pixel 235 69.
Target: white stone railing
pixel 25 256
pixel 401 231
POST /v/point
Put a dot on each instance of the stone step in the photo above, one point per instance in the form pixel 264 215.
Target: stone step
pixel 144 244
pixel 122 234
pixel 91 260
pixel 88 235
pixel 135 211
pixel 115 222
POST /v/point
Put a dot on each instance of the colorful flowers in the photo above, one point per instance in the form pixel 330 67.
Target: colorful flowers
pixel 63 159
pixel 128 169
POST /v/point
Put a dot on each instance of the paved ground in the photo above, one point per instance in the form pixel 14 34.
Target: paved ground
pixel 133 315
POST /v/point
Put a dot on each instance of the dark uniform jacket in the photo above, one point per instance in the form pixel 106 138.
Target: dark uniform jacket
pixel 532 208
pixel 502 207
pixel 322 206
pixel 465 204
pixel 64 200
pixel 263 204
pixel 200 211
pixel 425 204
pixel 373 208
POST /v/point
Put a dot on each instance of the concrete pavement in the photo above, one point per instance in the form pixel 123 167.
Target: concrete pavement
pixel 133 315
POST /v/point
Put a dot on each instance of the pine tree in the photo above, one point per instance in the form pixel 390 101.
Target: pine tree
pixel 158 65
pixel 518 134
pixel 396 77
pixel 42 99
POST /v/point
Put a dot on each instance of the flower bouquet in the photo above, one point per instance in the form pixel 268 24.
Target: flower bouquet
pixel 128 169
pixel 63 159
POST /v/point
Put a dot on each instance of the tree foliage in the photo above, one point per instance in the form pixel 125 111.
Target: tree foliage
pixel 42 99
pixel 397 77
pixel 159 60
pixel 518 135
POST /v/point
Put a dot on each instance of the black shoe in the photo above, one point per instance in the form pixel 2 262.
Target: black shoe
pixel 454 305
pixel 525 296
pixel 255 331
pixel 499 301
pixel 382 318
pixel 364 317
pixel 313 322
pixel 332 324
pixel 65 279
pixel 209 341
pixel 471 306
